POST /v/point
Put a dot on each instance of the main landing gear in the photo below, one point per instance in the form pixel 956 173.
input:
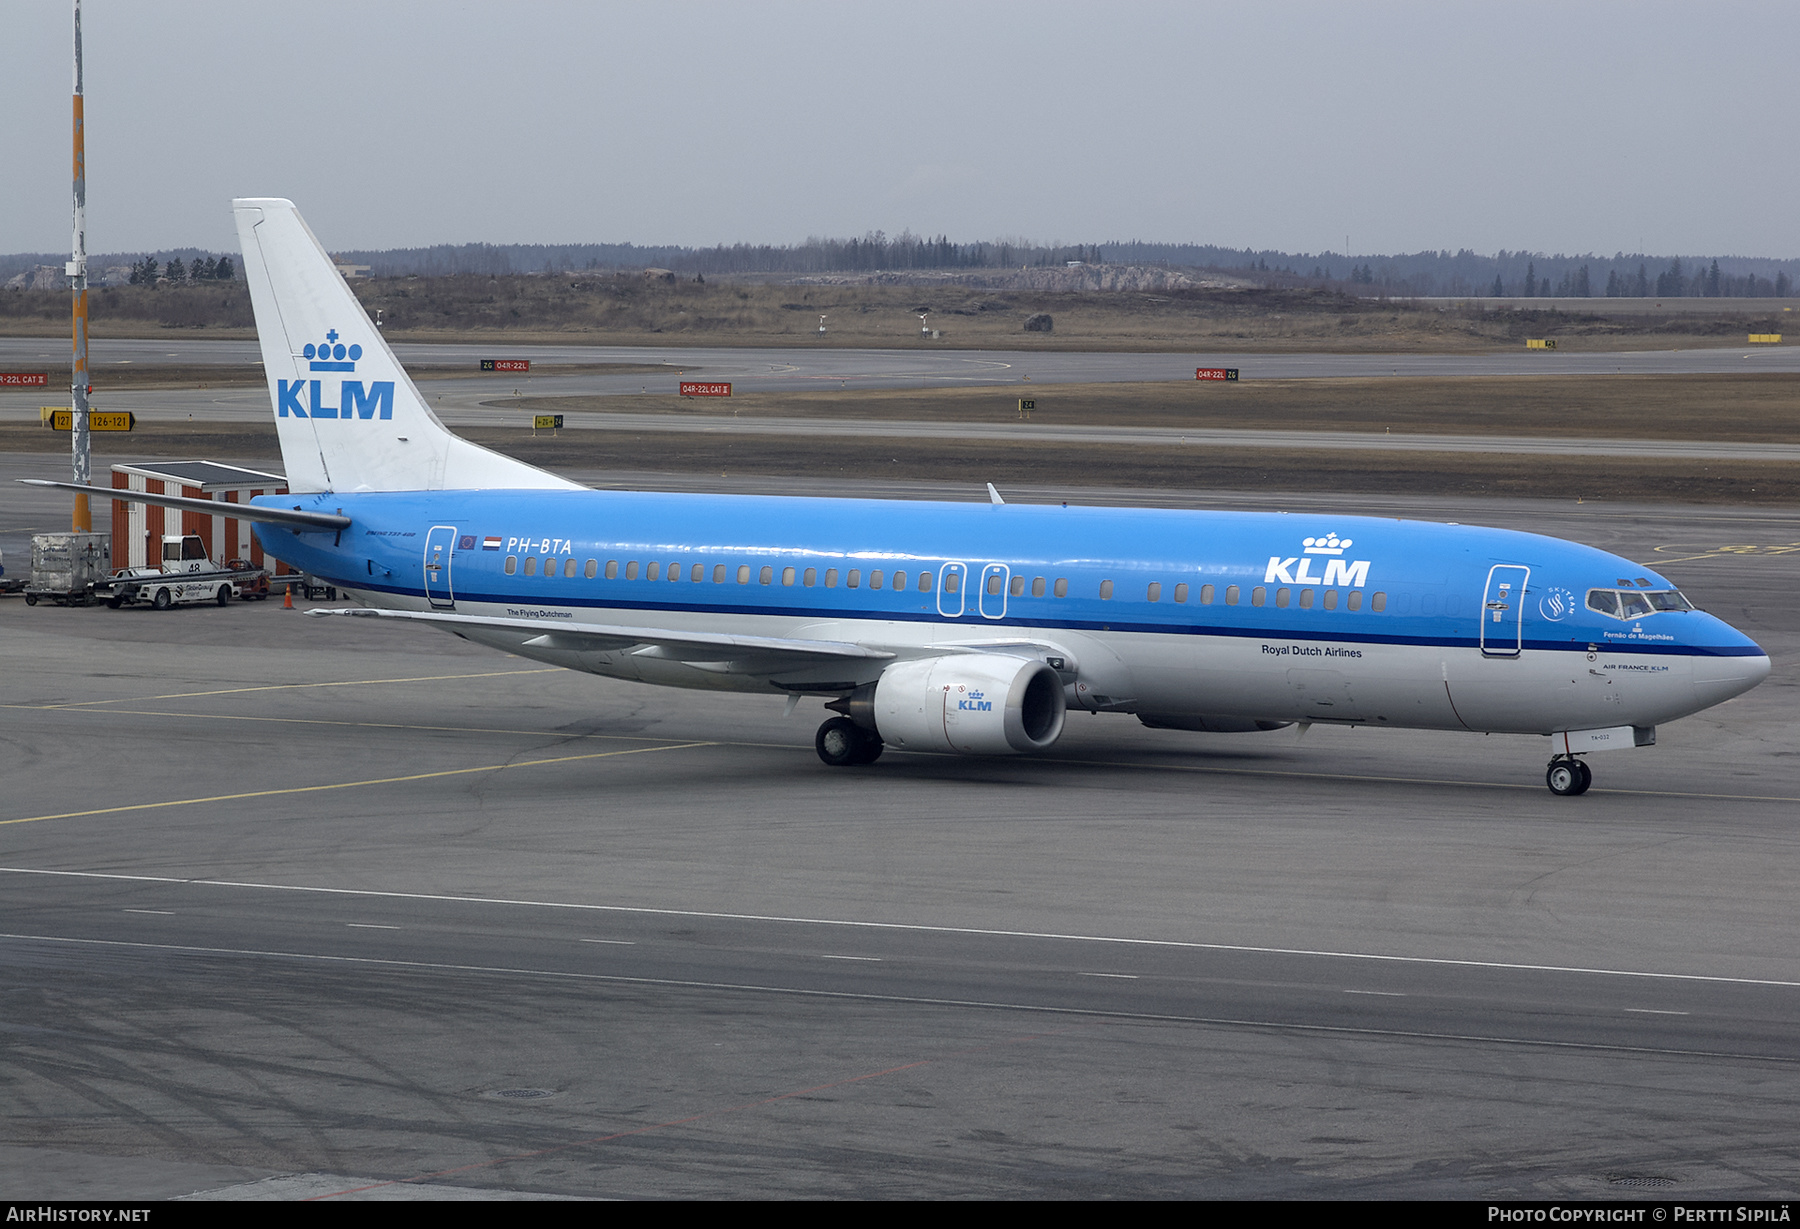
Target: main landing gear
pixel 841 741
pixel 1568 777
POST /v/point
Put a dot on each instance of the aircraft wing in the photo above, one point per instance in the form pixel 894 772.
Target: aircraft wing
pixel 719 651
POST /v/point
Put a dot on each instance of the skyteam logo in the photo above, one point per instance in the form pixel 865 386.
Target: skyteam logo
pixel 1353 574
pixel 1557 605
pixel 350 399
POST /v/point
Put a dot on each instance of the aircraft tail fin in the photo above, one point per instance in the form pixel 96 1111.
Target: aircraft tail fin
pixel 348 416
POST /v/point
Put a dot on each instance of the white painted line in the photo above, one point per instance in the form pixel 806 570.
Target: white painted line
pixel 1651 1011
pixel 989 1004
pixel 157 912
pixel 870 959
pixel 1385 994
pixel 614 942
pixel 1120 976
pixel 919 928
pixel 369 926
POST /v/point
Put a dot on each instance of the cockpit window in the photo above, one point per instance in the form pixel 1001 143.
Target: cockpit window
pixel 1636 603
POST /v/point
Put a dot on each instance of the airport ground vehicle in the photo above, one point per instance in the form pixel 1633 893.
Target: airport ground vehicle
pixel 66 566
pixel 187 577
pixel 960 628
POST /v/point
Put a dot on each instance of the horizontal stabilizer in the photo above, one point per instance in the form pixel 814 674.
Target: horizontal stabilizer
pixel 293 518
pixel 686 646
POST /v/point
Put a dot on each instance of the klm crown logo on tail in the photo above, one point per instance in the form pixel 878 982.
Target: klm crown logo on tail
pixel 309 398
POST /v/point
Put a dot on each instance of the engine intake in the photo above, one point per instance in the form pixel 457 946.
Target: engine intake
pixel 970 703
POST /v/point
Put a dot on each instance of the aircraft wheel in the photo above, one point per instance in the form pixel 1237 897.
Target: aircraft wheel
pixel 162 600
pixel 1568 778
pixel 838 742
pixel 869 746
pixel 224 594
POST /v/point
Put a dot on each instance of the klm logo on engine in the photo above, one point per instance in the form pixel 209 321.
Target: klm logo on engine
pixel 974 703
pixel 309 398
pixel 1353 574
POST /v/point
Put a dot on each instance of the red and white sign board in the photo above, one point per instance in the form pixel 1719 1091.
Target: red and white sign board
pixel 24 379
pixel 1215 373
pixel 692 388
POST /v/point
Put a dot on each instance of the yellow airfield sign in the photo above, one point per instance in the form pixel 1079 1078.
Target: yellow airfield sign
pixel 98 420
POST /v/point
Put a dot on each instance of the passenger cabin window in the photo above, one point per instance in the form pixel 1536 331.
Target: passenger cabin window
pixel 697 573
pixel 1154 592
pixel 1258 596
pixel 1281 598
pixel 1331 599
pixel 831 578
pixel 569 567
pixel 1231 595
pixel 1206 595
pixel 766 576
pixel 1181 592
pixel 1355 602
pixel 653 571
pixel 953 583
pixel 874 580
pixel 1017 587
pixel 899 580
pixel 924 582
pixel 1378 603
pixel 1306 599
pixel 531 565
pixel 592 569
pixel 612 569
pixel 1037 586
pixel 512 564
pixel 718 573
pixel 993 584
pixel 631 570
pixel 787 576
pixel 744 574
pixel 854 579
pixel 1062 587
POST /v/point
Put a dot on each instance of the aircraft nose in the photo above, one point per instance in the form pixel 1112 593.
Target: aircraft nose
pixel 1717 679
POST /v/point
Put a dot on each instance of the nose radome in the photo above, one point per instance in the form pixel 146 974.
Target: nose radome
pixel 1717 679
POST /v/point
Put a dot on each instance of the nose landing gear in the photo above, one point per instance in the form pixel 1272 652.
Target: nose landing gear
pixel 840 742
pixel 1568 777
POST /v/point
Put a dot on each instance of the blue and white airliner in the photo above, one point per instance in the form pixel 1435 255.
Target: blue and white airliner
pixel 964 628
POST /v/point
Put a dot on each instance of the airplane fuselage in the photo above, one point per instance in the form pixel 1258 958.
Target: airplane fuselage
pixel 1182 617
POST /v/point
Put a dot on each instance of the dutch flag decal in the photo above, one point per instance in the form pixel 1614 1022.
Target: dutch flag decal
pixel 490 544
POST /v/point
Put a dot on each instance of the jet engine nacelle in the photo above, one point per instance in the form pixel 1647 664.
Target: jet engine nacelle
pixel 970 703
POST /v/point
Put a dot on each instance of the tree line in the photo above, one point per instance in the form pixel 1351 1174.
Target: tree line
pixel 146 272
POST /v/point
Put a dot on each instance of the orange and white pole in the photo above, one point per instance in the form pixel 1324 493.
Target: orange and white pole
pixel 82 521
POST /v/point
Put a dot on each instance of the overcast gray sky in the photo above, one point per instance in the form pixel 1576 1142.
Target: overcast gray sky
pixel 1561 127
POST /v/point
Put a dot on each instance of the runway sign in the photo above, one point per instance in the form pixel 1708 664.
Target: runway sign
pixel 690 388
pixel 24 379
pixel 1215 373
pixel 1766 338
pixel 1539 343
pixel 98 420
pixel 547 422
pixel 506 364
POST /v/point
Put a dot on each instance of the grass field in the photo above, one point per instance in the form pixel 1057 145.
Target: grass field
pixel 1692 407
pixel 604 308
